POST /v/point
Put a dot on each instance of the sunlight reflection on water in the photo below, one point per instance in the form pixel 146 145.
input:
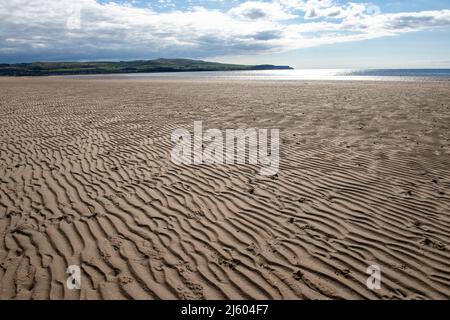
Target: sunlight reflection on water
pixel 299 74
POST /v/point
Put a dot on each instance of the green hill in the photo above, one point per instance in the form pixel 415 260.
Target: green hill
pixel 141 66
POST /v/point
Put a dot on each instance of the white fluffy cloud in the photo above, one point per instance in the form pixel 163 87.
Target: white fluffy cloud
pixel 59 29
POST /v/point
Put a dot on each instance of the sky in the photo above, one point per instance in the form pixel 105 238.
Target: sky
pixel 298 33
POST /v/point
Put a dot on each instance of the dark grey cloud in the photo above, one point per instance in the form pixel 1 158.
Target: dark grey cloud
pixel 267 35
pixel 254 13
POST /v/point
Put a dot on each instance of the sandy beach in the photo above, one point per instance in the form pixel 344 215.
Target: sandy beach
pixel 86 179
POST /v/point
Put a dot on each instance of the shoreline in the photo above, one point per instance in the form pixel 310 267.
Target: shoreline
pixel 112 78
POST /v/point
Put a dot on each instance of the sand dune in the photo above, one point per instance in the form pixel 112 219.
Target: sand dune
pixel 86 179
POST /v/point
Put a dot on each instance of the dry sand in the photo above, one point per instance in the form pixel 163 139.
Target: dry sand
pixel 86 179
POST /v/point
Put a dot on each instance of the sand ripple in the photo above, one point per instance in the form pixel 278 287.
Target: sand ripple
pixel 86 179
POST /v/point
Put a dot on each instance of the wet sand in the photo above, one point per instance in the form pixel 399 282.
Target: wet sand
pixel 86 179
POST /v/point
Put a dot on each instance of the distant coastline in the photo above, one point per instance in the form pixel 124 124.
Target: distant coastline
pixel 121 67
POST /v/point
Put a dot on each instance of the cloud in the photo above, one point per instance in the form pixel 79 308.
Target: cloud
pixel 86 29
pixel 254 10
pixel 415 21
pixel 267 35
pixel 315 9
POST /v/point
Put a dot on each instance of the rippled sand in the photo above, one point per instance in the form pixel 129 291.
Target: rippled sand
pixel 86 179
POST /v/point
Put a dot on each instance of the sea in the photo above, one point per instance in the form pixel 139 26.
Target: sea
pixel 298 74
